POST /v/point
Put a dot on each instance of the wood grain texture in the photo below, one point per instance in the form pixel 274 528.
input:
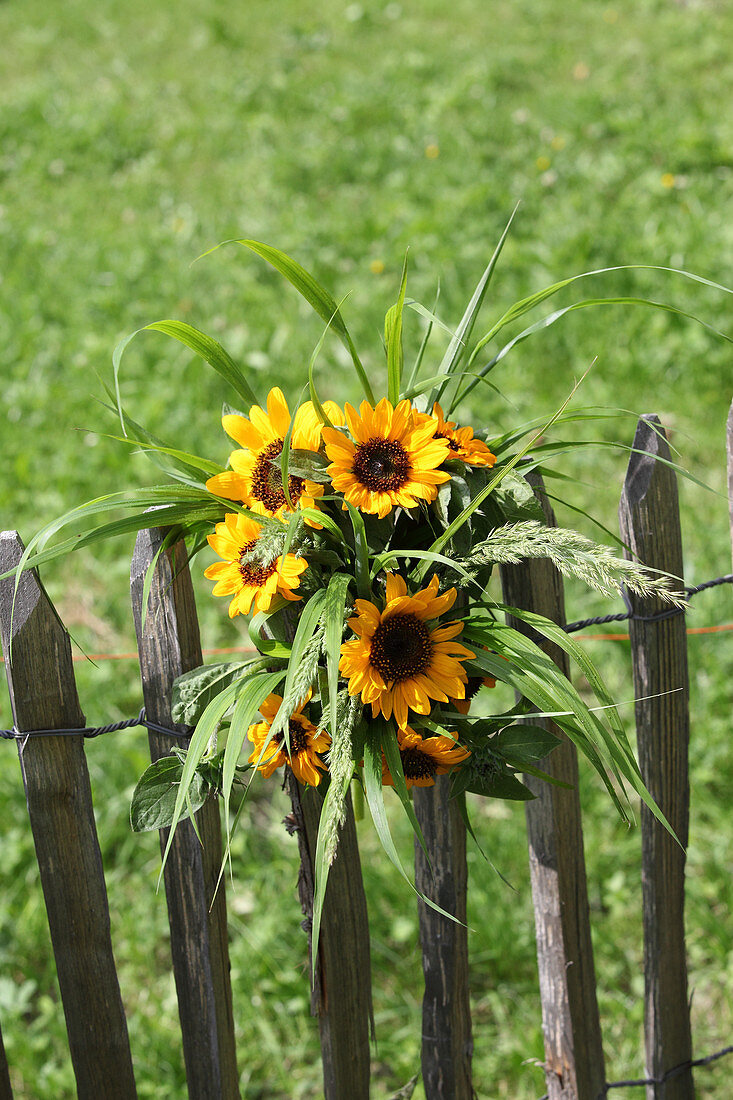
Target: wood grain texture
pixel 6 1092
pixel 447 1043
pixel 59 798
pixel 341 994
pixel 169 645
pixel 650 527
pixel 574 1062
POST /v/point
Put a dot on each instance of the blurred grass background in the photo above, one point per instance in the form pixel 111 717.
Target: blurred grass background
pixel 133 138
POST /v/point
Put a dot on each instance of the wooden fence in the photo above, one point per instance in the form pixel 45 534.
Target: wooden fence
pixel 44 698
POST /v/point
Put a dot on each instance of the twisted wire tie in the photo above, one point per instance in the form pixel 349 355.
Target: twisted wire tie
pixel 94 731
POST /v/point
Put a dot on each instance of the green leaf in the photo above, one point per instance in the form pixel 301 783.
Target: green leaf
pixel 375 801
pixel 457 346
pixel 309 620
pixel 206 727
pixel 361 552
pixel 209 350
pixel 275 648
pixel 333 621
pixel 617 743
pixel 253 694
pixel 154 797
pixel 321 866
pixel 432 320
pixel 497 478
pixel 321 301
pixel 534 675
pixel 193 691
pixel 391 749
pixel 304 464
pixel 523 744
pixel 551 318
pixel 516 499
pixel 393 341
pixel 502 785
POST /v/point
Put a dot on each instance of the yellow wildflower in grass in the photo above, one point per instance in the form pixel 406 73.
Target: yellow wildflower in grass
pixel 393 461
pixel 461 441
pixel 424 757
pixel 398 663
pixel 306 742
pixel 254 479
pixel 246 580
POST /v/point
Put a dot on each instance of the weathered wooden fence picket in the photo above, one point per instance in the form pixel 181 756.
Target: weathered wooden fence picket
pixel 58 793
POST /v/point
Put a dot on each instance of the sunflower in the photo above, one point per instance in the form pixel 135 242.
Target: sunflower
pixel 246 579
pixel 398 663
pixel 255 477
pixel 393 461
pixel 461 441
pixel 305 744
pixel 473 686
pixel 424 757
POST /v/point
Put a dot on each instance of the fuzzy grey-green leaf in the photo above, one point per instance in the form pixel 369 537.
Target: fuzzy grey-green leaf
pixel 154 797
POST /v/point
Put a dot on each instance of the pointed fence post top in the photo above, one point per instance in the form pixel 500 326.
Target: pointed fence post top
pixel 650 443
pixel 34 639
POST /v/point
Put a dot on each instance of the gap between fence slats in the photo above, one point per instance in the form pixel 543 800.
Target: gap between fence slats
pixel 574 1063
pixel 169 645
pixel 59 798
pixel 650 528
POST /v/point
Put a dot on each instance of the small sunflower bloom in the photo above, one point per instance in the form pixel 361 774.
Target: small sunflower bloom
pixel 393 461
pixel 255 478
pixel 305 741
pixel 249 581
pixel 461 441
pixel 473 686
pixel 424 757
pixel 398 662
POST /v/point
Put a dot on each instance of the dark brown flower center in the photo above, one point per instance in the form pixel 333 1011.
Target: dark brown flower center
pixel 473 685
pixel 452 445
pixel 417 764
pixel 382 465
pixel 253 572
pixel 401 648
pixel 298 738
pixel 267 482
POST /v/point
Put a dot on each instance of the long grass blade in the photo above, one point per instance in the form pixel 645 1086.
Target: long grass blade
pixel 319 298
pixel 393 341
pixel 457 346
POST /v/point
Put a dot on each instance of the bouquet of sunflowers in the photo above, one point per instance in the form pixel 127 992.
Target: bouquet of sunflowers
pixel 360 542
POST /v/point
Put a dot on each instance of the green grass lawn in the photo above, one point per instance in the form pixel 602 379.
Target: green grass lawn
pixel 135 137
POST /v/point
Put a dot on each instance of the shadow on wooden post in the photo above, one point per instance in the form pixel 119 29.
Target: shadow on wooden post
pixel 650 527
pixel 169 645
pixel 447 1045
pixel 59 797
pixel 574 1062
